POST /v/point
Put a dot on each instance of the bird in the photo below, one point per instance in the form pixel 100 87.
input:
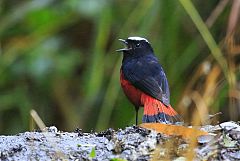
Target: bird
pixel 144 82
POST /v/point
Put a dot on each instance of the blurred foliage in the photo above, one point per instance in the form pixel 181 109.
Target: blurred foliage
pixel 58 57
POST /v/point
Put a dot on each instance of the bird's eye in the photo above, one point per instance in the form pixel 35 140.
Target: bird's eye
pixel 138 45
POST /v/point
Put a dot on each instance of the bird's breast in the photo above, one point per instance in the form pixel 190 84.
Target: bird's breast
pixel 132 93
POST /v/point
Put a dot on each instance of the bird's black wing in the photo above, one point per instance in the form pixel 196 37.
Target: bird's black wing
pixel 147 75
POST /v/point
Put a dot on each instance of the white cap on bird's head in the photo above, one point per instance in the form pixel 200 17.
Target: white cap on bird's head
pixel 137 38
pixel 136 44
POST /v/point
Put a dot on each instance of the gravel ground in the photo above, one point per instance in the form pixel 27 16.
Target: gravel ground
pixel 131 143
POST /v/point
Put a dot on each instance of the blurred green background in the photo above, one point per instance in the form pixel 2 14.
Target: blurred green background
pixel 58 57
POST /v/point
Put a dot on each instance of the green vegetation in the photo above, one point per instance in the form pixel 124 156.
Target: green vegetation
pixel 58 57
pixel 92 153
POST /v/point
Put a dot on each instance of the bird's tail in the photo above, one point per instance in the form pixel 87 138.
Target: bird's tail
pixel 156 111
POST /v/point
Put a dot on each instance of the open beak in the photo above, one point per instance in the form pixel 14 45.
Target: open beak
pixel 126 44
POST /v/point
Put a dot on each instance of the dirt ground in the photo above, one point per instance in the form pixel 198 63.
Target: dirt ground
pixel 131 143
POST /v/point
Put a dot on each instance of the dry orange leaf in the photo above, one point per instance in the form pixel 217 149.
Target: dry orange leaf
pixel 177 130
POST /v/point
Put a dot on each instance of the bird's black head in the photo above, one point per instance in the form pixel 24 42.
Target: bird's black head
pixel 136 47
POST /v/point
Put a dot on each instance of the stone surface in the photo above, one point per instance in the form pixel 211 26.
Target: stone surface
pixel 131 143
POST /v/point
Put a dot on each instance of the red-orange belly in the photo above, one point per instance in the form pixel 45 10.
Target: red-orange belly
pixel 132 93
pixel 154 110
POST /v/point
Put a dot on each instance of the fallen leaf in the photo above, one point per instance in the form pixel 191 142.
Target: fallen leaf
pixel 228 142
pixel 177 130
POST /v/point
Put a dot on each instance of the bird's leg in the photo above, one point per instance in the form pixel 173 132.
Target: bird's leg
pixel 136 109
